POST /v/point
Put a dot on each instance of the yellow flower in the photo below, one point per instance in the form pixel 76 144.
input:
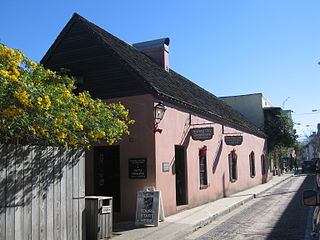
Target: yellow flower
pixel 11 51
pixel 62 135
pixel 32 65
pixel 39 100
pixel 75 107
pixel 13 78
pixel 66 94
pixel 58 101
pixel 91 134
pixel 79 126
pixel 95 134
pixel 82 99
pixel 102 134
pixel 23 97
pixel 15 72
pixel 32 129
pixel 111 141
pixel 121 107
pixel 57 122
pixel 121 123
pixel 4 73
pixel 51 73
pixel 44 102
pixel 12 112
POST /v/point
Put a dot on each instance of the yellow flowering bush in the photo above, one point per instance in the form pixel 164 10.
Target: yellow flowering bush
pixel 38 106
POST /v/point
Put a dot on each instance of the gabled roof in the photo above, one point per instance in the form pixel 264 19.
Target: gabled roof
pixel 168 86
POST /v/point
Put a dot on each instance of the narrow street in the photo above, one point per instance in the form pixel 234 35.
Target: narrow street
pixel 277 214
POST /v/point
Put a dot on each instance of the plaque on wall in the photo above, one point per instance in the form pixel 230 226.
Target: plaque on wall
pixel 165 167
pixel 137 168
pixel 202 134
pixel 233 140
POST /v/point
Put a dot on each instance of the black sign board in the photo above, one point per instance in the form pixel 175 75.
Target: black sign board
pixel 137 168
pixel 149 208
pixel 202 133
pixel 233 140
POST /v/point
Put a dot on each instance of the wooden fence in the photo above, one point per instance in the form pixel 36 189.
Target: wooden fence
pixel 42 193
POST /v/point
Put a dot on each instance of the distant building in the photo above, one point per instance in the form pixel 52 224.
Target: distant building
pixel 312 148
pixel 288 112
pixel 255 107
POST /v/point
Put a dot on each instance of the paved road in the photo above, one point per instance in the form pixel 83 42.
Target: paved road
pixel 277 214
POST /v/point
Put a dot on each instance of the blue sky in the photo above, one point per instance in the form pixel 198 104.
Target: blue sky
pixel 229 47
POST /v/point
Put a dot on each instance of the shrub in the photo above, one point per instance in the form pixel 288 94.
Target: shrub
pixel 38 106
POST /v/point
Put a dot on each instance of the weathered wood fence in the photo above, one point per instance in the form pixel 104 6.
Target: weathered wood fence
pixel 42 193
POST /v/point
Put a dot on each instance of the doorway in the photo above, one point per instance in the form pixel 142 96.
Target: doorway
pixel 181 176
pixel 107 173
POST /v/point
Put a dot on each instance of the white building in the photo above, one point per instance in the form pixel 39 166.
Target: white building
pixel 255 107
pixel 312 148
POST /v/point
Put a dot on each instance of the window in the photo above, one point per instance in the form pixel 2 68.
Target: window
pixel 203 167
pixel 233 171
pixel 252 164
pixel 263 165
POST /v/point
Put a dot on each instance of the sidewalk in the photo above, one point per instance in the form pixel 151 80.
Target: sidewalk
pixel 181 224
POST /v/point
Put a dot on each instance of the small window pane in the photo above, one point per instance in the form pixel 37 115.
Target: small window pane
pixel 203 167
pixel 233 166
pixel 252 164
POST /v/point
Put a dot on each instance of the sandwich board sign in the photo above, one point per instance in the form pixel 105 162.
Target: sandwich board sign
pixel 149 210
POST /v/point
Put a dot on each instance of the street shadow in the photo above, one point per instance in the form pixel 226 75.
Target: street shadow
pixel 124 226
pixel 293 222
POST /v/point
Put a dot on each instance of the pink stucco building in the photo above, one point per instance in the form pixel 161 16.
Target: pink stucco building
pixel 201 150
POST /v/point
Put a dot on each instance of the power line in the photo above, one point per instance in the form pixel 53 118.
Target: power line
pixel 309 113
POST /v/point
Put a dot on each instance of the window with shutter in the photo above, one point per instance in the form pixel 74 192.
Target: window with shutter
pixel 233 171
pixel 252 164
pixel 203 167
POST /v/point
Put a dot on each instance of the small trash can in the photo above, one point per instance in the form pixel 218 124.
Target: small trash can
pixel 98 217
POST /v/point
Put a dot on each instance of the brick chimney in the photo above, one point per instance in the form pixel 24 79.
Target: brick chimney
pixel 157 50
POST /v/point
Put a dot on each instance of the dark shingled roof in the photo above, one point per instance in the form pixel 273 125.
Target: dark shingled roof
pixel 169 86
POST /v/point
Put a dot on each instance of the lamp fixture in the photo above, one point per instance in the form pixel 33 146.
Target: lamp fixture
pixel 158 111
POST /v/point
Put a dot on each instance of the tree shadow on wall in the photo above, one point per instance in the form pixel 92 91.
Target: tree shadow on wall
pixel 27 172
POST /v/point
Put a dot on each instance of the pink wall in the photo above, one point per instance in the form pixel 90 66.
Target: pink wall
pixel 160 147
pixel 140 144
pixel 175 127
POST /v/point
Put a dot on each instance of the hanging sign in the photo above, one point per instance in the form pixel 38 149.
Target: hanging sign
pixel 137 168
pixel 149 207
pixel 233 140
pixel 202 134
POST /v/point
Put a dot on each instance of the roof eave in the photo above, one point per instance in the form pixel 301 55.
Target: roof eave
pixel 163 96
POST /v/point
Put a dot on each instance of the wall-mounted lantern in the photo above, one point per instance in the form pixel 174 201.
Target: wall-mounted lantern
pixel 158 111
